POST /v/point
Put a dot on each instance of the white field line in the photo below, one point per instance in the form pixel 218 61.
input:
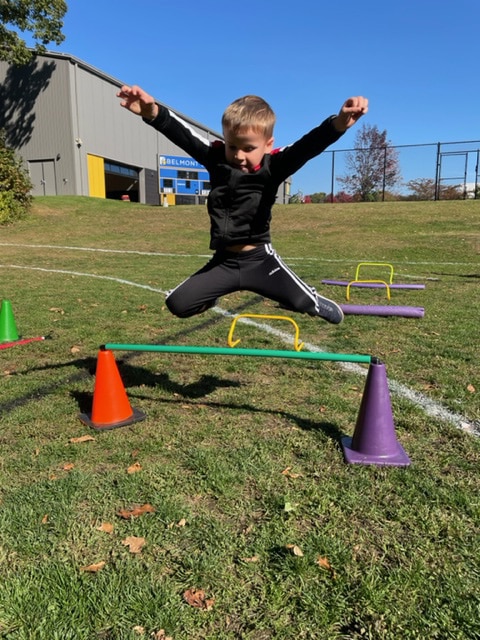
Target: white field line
pixel 430 407
pixel 200 255
pixel 99 250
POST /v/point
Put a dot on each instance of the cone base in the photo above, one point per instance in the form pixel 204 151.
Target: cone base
pixel 397 459
pixel 11 339
pixel 136 416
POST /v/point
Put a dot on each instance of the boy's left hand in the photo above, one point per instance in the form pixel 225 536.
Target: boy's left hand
pixel 352 109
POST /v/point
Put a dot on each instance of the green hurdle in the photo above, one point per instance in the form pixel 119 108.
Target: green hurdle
pixel 230 351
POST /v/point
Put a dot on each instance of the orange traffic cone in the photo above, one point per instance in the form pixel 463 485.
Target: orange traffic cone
pixel 111 408
pixel 8 328
pixel 374 440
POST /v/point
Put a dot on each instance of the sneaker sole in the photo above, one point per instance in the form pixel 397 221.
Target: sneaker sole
pixel 329 310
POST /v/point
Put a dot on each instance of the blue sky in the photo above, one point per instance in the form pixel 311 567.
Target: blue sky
pixel 416 61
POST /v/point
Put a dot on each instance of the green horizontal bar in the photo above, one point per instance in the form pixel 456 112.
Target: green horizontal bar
pixel 231 351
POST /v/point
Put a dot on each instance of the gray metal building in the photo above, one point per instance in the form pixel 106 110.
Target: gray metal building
pixel 63 118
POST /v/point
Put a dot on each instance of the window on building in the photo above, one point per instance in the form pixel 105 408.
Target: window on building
pixel 120 169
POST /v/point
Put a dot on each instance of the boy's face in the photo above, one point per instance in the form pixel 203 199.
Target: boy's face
pixel 244 150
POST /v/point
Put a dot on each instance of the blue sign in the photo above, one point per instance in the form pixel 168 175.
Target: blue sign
pixel 180 162
pixel 183 175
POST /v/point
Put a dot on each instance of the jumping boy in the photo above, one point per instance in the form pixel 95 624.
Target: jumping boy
pixel 245 174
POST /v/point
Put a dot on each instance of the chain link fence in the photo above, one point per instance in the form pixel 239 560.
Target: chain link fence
pixel 445 170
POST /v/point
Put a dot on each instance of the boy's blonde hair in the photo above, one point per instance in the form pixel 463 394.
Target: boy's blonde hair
pixel 249 112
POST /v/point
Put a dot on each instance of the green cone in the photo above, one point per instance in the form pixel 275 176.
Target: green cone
pixel 8 328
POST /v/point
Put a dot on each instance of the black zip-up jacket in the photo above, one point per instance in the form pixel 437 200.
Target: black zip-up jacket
pixel 240 204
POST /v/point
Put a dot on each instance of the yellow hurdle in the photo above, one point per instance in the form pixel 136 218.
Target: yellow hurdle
pixel 373 264
pixel 356 282
pixel 233 343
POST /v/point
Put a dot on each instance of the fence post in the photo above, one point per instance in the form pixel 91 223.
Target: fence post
pixel 437 174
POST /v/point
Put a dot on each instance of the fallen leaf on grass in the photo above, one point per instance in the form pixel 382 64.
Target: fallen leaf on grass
pixel 295 550
pixel 93 568
pixel 323 562
pixel 180 523
pixel 81 439
pixel 134 468
pixel 160 635
pixel 471 388
pixel 136 511
pixel 134 544
pixel 45 519
pixel 288 473
pixel 68 466
pixel 252 559
pixel 106 527
pixel 196 598
pixel 75 349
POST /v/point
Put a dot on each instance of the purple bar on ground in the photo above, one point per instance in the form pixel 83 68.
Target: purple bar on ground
pixel 386 310
pixel 373 285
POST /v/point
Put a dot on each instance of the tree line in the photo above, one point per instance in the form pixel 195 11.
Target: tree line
pixel 373 174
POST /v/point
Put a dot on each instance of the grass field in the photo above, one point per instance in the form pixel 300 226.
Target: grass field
pixel 229 512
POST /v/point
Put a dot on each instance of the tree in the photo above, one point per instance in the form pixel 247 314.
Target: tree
pixel 296 198
pixel 318 197
pixel 15 185
pixel 451 192
pixel 373 165
pixel 422 188
pixel 343 196
pixel 42 18
pixel 425 189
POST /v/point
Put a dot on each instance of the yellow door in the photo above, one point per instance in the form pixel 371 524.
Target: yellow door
pixel 96 177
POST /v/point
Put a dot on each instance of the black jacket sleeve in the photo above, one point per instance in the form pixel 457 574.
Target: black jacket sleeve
pixel 288 160
pixel 182 134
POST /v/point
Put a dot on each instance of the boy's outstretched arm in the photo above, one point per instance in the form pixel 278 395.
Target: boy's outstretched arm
pixel 138 101
pixel 352 109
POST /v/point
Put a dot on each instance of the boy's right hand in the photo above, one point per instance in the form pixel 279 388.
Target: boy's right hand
pixel 138 101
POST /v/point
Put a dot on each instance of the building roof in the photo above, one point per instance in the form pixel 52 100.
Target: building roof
pixel 105 76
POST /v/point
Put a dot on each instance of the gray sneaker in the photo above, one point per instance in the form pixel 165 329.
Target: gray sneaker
pixel 329 310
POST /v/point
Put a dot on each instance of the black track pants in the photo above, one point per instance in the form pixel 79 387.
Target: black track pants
pixel 259 270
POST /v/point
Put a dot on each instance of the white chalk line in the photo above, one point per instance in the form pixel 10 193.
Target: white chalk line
pixel 430 407
pixel 200 255
pixel 100 250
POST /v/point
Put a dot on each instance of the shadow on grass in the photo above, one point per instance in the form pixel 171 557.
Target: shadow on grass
pixel 85 400
pixel 329 429
pixel 87 369
pixel 135 376
pixel 471 276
